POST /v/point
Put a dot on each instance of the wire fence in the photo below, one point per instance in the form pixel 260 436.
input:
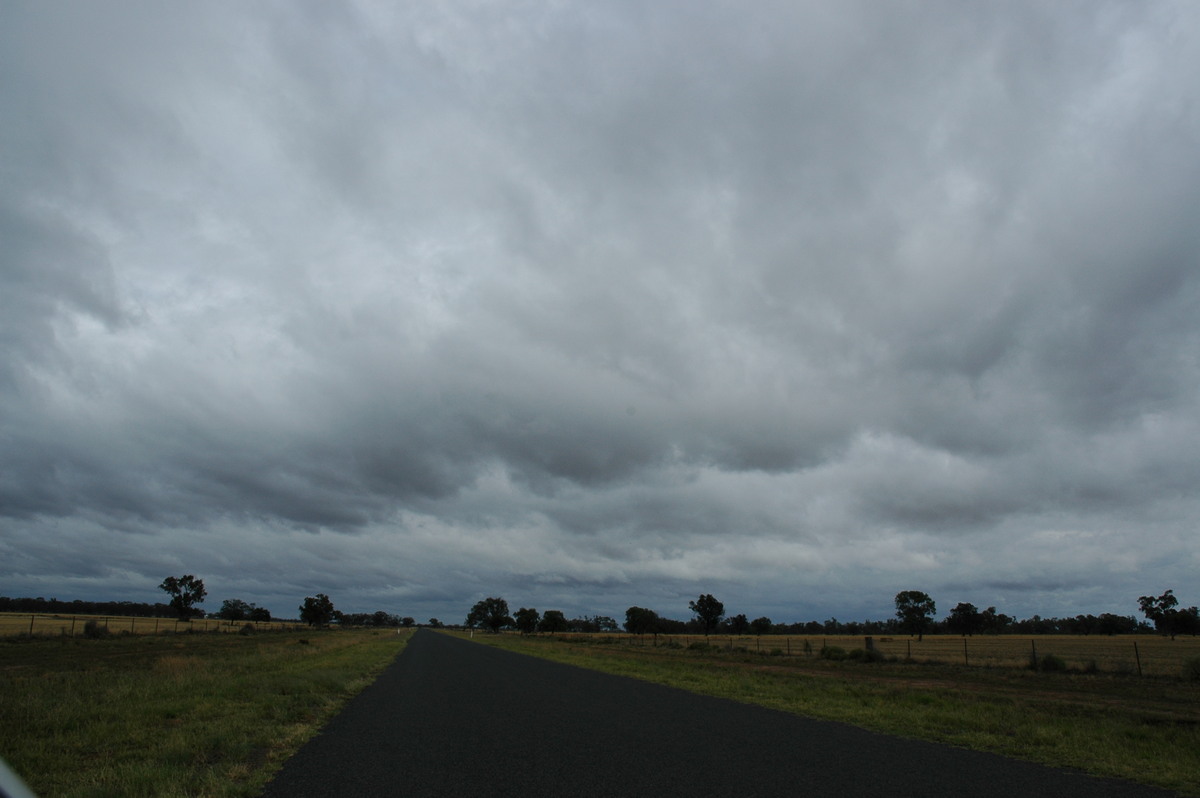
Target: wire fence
pixel 45 624
pixel 1139 655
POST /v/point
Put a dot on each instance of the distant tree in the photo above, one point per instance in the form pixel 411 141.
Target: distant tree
pixel 639 621
pixel 605 623
pixel 738 624
pixel 914 609
pixel 317 610
pixel 527 620
pixel 490 613
pixel 708 610
pixel 553 621
pixel 1167 619
pixel 408 622
pixel 964 619
pixel 185 591
pixel 761 626
pixel 234 610
pixel 259 614
pixel 434 623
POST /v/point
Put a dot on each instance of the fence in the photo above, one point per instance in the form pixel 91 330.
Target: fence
pixel 73 625
pixel 1143 655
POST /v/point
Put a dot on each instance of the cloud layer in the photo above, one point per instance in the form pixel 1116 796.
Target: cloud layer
pixel 592 306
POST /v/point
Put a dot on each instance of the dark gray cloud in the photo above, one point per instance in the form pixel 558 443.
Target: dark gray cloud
pixel 601 306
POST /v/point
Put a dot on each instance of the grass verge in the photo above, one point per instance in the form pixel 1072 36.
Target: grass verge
pixel 187 715
pixel 1143 730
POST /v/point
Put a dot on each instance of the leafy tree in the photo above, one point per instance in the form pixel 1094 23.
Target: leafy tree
pixel 739 624
pixel 234 610
pixel 553 621
pixel 490 613
pixel 434 623
pixel 914 609
pixel 964 619
pixel 761 626
pixel 708 610
pixel 408 622
pixel 259 613
pixel 639 621
pixel 185 591
pixel 317 610
pixel 993 622
pixel 527 620
pixel 1167 619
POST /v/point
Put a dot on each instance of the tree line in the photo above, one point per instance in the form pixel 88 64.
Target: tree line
pixel 915 615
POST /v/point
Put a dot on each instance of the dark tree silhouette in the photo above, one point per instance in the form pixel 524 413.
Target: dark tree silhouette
pixel 185 591
pixel 490 613
pixel 553 621
pixel 526 620
pixel 317 610
pixel 708 610
pixel 914 609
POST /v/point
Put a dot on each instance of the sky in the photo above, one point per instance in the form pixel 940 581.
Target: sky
pixel 595 305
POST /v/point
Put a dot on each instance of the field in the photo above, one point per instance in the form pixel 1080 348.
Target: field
pixel 1116 724
pixel 174 715
pixel 39 624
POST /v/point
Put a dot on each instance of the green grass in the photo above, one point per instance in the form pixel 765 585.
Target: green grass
pixel 1145 730
pixel 186 715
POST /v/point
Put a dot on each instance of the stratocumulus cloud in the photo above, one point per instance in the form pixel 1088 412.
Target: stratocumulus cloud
pixel 594 306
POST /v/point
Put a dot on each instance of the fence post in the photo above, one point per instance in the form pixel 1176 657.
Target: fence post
pixel 1138 657
pixel 965 661
pixel 1034 661
pixel 31 617
pixel 72 626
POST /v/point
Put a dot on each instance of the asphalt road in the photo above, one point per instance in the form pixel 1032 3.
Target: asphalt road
pixel 455 718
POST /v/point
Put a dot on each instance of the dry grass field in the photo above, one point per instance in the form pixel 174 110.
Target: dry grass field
pixel 1147 655
pixel 46 624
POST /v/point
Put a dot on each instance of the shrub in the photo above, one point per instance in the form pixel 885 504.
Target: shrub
pixel 777 652
pixel 94 630
pixel 248 629
pixel 1191 669
pixel 834 653
pixel 1052 664
pixel 699 645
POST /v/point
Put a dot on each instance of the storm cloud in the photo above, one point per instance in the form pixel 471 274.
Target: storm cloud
pixel 598 305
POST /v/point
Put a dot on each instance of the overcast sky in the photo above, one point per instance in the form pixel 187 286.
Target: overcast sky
pixel 591 305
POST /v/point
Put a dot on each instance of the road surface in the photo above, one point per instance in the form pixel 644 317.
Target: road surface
pixel 454 718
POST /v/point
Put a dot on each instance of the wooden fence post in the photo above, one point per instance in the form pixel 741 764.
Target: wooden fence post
pixel 1138 657
pixel 31 617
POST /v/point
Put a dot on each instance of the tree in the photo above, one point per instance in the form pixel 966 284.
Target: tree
pixel 761 626
pixel 553 621
pixel 639 621
pixel 708 610
pixel 1167 619
pixel 490 613
pixel 317 610
pixel 234 610
pixel 259 613
pixel 739 624
pixel 185 591
pixel 527 620
pixel 914 609
pixel 964 619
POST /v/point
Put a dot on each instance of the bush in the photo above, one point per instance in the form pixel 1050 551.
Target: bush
pixel 94 630
pixel 1052 664
pixel 835 653
pixel 248 629
pixel 699 646
pixel 1191 669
